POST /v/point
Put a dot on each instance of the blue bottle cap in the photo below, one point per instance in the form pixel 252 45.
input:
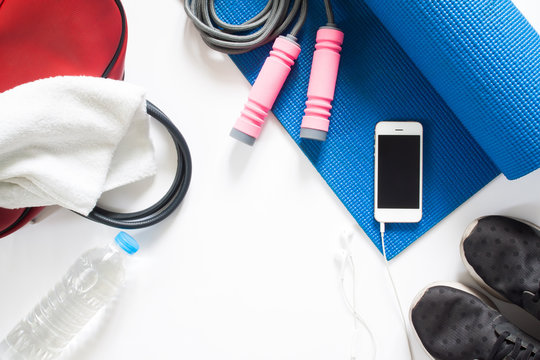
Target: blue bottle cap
pixel 127 243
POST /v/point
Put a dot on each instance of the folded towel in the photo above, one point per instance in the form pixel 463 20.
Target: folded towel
pixel 66 140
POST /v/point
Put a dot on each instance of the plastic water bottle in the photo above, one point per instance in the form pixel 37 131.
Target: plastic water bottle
pixel 90 283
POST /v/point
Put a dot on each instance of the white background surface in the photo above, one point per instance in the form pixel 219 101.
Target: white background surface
pixel 245 269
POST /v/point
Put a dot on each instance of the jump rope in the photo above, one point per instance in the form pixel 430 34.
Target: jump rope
pixel 266 26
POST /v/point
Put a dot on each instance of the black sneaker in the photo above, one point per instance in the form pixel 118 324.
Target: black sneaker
pixel 454 322
pixel 503 255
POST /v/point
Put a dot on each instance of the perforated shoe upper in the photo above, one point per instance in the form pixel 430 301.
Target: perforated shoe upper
pixel 503 254
pixel 453 324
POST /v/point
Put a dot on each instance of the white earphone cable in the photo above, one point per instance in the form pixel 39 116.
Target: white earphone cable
pixel 382 227
pixel 351 304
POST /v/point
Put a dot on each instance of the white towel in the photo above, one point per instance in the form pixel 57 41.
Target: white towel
pixel 66 140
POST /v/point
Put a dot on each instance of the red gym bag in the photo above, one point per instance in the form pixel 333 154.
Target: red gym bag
pixel 40 39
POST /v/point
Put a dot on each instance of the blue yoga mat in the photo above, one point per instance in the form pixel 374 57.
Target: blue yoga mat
pixel 468 70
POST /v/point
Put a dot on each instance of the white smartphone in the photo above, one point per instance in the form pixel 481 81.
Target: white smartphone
pixel 398 171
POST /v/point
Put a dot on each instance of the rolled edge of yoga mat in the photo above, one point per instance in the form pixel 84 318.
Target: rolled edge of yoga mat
pixel 483 58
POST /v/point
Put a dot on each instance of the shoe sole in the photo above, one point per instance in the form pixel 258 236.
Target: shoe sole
pixel 454 285
pixel 469 267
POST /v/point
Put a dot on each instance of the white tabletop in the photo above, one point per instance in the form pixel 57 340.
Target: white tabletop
pixel 245 268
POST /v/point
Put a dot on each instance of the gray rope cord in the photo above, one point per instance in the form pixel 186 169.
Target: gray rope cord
pixel 329 13
pixel 264 27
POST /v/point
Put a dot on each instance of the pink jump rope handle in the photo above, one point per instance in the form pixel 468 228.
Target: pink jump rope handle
pixel 264 92
pixel 322 83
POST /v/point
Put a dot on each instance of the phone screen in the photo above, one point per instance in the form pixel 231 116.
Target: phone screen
pixel 398 171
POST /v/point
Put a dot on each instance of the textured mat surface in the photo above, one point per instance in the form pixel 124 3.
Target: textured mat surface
pixel 469 71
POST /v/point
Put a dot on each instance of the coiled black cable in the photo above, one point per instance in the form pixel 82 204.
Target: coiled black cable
pixel 264 27
pixel 170 201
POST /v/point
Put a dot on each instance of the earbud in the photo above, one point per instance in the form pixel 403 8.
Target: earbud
pixel 341 257
pixel 346 240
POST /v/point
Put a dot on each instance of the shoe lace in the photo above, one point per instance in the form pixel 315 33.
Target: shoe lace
pixel 515 350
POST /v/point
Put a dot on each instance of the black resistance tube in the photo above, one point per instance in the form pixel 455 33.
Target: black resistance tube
pixel 170 201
